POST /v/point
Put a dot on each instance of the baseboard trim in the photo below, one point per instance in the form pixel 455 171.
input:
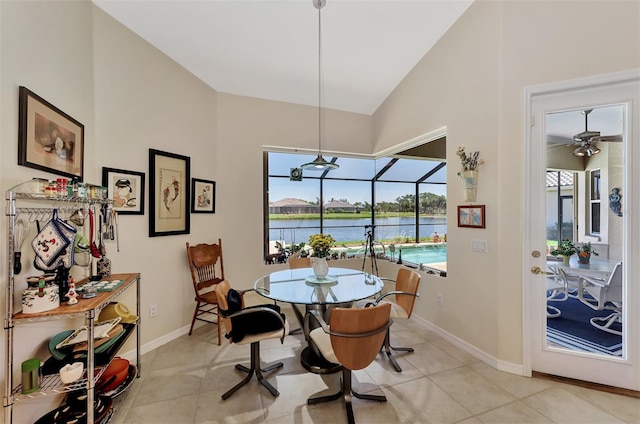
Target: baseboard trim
pixel 587 384
pixel 472 350
pixel 156 343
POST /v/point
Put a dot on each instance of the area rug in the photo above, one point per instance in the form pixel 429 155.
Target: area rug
pixel 573 330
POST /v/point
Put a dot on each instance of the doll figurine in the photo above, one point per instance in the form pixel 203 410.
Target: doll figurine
pixel 72 294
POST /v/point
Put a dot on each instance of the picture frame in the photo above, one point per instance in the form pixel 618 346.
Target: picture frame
pixel 169 189
pixel 49 139
pixel 203 196
pixel 126 189
pixel 471 216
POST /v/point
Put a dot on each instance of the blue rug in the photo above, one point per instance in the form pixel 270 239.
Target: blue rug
pixel 573 330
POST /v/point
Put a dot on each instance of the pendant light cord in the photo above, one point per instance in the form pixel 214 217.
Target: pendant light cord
pixel 320 5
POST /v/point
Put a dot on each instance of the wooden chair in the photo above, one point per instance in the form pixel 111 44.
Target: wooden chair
pixel 295 263
pixel 352 339
pixel 222 291
pixel 405 293
pixel 207 270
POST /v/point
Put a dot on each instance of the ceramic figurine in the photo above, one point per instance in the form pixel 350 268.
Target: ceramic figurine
pixel 72 294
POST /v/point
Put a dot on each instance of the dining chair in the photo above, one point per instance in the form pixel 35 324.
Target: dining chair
pixel 404 296
pixel 254 321
pixel 352 339
pixel 604 295
pixel 207 270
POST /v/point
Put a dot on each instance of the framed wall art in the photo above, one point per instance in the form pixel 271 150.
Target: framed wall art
pixel 471 216
pixel 203 194
pixel 169 176
pixel 126 189
pixel 49 139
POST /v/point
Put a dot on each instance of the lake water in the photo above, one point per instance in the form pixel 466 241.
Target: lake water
pixel 349 230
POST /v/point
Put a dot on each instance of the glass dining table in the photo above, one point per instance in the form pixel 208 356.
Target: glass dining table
pixel 340 288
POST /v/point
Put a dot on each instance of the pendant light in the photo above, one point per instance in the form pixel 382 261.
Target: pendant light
pixel 319 163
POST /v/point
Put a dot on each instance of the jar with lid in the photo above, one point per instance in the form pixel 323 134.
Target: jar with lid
pixel 82 189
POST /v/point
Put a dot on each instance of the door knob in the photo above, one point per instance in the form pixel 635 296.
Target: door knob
pixel 537 270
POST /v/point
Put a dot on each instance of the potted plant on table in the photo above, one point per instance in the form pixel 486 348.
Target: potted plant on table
pixel 566 249
pixel 321 245
pixel 585 251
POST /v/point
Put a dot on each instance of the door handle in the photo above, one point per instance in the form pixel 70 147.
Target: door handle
pixel 537 270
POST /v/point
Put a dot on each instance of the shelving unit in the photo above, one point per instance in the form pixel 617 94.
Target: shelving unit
pixel 25 195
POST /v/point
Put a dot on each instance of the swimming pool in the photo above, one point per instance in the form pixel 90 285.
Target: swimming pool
pixel 425 254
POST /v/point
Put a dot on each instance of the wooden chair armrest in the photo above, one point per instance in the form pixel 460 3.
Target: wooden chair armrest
pixel 382 296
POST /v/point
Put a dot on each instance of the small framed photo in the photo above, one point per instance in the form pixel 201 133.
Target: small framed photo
pixel 169 177
pixel 471 216
pixel 49 139
pixel 203 195
pixel 126 189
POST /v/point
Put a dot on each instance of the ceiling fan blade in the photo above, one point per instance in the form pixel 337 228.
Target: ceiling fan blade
pixel 586 135
pixel 607 138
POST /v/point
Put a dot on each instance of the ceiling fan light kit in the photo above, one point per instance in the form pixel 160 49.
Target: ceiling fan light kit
pixel 586 139
pixel 319 163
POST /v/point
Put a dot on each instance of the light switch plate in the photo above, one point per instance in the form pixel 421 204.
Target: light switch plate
pixel 479 246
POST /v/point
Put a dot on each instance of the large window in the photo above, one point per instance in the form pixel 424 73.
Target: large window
pixel 403 200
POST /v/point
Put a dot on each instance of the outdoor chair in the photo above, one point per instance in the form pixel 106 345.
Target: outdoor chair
pixel 557 290
pixel 253 324
pixel 604 295
pixel 207 270
pixel 352 339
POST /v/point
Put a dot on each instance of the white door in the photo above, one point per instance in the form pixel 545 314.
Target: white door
pixel 540 355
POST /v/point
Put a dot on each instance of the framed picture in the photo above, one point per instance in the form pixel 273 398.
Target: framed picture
pixel 49 139
pixel 203 193
pixel 126 189
pixel 471 216
pixel 169 176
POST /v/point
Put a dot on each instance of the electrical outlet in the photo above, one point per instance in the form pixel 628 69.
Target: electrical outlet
pixel 153 310
pixel 440 299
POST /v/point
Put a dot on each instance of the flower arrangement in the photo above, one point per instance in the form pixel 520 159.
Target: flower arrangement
pixel 469 163
pixel 321 244
pixel 585 250
pixel 566 248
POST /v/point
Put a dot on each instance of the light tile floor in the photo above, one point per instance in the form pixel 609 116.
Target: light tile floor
pixel 182 382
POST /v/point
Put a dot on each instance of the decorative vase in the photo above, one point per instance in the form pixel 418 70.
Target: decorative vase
pixel 565 259
pixel 320 267
pixel 584 258
pixel 470 179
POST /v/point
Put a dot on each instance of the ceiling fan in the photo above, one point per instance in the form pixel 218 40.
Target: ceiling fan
pixel 586 139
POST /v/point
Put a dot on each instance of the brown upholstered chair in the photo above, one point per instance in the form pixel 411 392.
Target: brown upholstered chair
pixel 207 270
pixel 222 291
pixel 299 262
pixel 352 339
pixel 404 297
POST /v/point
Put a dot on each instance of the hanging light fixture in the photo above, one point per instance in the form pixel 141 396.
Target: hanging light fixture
pixel 319 163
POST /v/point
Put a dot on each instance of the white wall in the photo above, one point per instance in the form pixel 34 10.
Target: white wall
pixel 131 97
pixel 472 82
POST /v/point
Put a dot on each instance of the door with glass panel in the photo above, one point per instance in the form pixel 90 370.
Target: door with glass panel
pixel 574 164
